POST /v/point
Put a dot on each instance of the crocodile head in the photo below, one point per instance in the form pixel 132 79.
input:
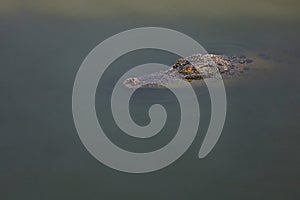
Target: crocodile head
pixel 194 67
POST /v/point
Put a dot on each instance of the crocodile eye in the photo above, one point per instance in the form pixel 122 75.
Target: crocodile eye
pixel 188 70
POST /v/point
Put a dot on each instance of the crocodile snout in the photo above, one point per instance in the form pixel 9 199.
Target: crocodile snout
pixel 131 82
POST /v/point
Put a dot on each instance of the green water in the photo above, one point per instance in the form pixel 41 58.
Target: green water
pixel 42 157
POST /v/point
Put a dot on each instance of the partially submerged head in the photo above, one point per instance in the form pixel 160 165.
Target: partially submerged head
pixel 194 67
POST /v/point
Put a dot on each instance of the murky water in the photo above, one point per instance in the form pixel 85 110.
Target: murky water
pixel 42 157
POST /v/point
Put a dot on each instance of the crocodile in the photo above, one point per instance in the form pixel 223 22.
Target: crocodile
pixel 192 68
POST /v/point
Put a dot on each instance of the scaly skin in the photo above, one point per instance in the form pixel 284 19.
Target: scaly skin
pixel 194 67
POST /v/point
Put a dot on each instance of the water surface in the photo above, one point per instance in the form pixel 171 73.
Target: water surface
pixel 42 157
